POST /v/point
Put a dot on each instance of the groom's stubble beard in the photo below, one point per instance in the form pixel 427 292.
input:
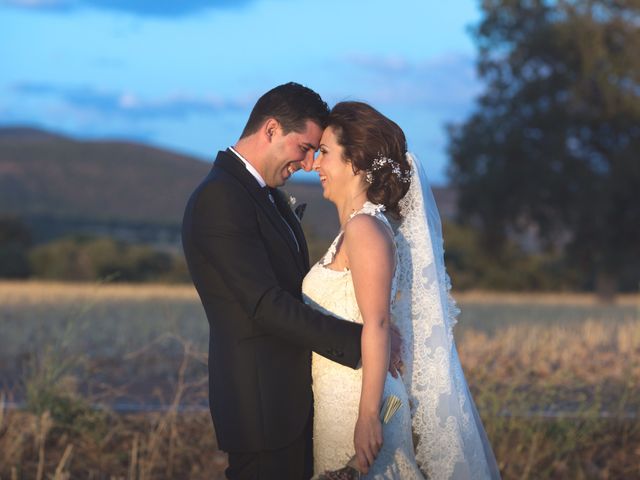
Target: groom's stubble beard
pixel 275 174
pixel 281 171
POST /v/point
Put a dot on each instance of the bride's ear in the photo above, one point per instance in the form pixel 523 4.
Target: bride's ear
pixel 359 173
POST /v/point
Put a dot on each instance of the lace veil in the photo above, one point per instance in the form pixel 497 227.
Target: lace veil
pixel 450 440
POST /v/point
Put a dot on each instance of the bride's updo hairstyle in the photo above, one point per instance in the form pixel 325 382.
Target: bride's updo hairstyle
pixel 376 145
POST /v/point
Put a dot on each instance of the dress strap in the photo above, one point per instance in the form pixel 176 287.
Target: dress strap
pixel 369 208
pixel 375 210
pixel 331 252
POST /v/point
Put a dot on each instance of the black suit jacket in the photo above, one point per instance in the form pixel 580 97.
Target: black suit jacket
pixel 248 272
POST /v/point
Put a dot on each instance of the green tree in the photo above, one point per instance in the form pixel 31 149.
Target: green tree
pixel 555 139
pixel 84 258
pixel 470 267
pixel 15 240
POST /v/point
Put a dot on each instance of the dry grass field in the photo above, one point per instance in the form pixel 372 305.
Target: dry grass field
pixel 109 382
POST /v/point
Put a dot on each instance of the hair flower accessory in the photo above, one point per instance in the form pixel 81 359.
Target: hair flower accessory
pixel 380 161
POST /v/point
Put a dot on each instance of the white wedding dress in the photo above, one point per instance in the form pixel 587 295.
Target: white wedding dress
pixel 336 388
pixel 437 433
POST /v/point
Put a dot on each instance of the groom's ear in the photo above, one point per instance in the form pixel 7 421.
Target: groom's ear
pixel 270 128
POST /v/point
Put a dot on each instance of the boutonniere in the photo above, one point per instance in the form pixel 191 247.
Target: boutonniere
pixel 298 210
pixel 286 197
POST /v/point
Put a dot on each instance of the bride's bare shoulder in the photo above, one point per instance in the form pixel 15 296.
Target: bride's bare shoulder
pixel 367 232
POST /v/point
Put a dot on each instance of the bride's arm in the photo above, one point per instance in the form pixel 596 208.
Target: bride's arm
pixel 369 248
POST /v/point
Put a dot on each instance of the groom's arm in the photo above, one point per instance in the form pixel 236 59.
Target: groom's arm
pixel 225 231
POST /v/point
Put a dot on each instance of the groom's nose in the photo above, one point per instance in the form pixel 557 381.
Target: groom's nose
pixel 307 162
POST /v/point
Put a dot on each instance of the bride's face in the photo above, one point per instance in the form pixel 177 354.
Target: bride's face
pixel 336 174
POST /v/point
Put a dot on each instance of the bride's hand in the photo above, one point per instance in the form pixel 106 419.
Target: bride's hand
pixel 367 440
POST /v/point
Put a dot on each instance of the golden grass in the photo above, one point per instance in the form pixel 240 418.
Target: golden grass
pixel 590 353
pixel 559 402
pixel 563 298
pixel 589 370
pixel 147 446
pixel 15 292
pixel 29 292
pixel 509 373
pixel 136 447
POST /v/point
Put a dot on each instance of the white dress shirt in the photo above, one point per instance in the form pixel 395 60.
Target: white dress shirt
pixel 250 167
pixel 263 184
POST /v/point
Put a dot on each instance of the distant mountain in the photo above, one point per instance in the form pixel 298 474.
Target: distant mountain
pixel 65 184
pixel 44 174
pixel 28 133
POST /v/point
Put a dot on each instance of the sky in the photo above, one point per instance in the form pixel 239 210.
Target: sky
pixel 184 74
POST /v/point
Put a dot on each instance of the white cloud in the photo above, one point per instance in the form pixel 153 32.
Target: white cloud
pixel 35 3
pixel 106 103
pixel 153 8
pixel 444 82
pixel 128 100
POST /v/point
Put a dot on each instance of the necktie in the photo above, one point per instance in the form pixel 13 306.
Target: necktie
pixel 273 202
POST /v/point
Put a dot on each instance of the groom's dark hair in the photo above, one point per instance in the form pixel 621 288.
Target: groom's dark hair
pixel 290 104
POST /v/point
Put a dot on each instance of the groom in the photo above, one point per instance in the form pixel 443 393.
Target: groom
pixel 247 257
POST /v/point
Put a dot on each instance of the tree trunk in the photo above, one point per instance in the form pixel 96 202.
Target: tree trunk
pixel 606 287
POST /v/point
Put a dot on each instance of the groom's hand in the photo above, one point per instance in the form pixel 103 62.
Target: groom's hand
pixel 395 360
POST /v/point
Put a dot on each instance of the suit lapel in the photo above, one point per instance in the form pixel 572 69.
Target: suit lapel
pixel 229 162
pixel 294 223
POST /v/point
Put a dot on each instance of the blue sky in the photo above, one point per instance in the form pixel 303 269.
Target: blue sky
pixel 184 74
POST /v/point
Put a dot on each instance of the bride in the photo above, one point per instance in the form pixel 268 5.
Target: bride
pixel 386 267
